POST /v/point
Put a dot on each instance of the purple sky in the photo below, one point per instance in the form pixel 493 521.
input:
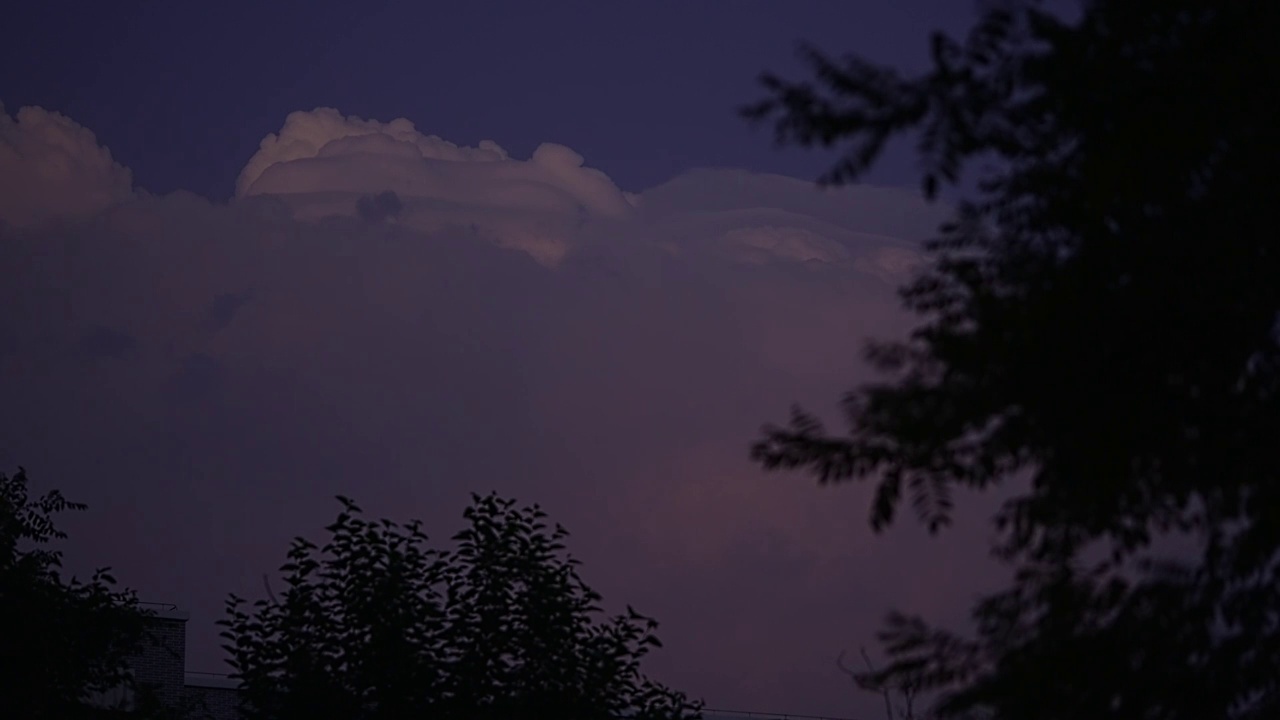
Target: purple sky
pixel 599 324
pixel 183 92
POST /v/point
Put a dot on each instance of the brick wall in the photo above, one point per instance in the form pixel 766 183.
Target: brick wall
pixel 203 702
pixel 161 664
pixel 163 659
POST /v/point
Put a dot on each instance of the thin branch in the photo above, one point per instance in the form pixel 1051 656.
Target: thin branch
pixel 266 582
pixel 884 689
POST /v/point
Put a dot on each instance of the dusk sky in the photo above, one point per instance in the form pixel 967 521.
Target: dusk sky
pixel 593 285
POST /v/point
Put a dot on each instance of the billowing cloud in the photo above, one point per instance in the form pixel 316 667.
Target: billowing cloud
pixel 387 315
pixel 323 163
pixel 324 132
pixel 52 167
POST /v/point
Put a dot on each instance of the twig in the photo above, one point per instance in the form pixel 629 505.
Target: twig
pixel 266 582
pixel 884 690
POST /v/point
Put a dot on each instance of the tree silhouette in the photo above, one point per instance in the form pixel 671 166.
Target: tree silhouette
pixel 1099 319
pixel 62 644
pixel 377 624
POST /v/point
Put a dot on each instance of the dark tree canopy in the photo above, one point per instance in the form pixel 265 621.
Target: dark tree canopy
pixel 1101 318
pixel 63 644
pixel 376 624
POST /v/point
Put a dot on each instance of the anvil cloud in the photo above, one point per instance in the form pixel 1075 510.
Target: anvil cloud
pixel 385 314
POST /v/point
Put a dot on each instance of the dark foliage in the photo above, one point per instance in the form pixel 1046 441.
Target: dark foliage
pixel 62 644
pixel 1100 319
pixel 377 624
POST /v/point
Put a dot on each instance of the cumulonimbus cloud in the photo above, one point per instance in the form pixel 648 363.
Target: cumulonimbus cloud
pixel 384 314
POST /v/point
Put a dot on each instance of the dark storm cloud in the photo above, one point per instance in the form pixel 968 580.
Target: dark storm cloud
pixel 518 325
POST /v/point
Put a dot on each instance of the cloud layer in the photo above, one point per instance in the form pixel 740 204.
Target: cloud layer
pixel 385 314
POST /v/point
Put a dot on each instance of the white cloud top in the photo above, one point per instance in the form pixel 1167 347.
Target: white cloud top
pixel 326 132
pixel 323 152
pixel 51 167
